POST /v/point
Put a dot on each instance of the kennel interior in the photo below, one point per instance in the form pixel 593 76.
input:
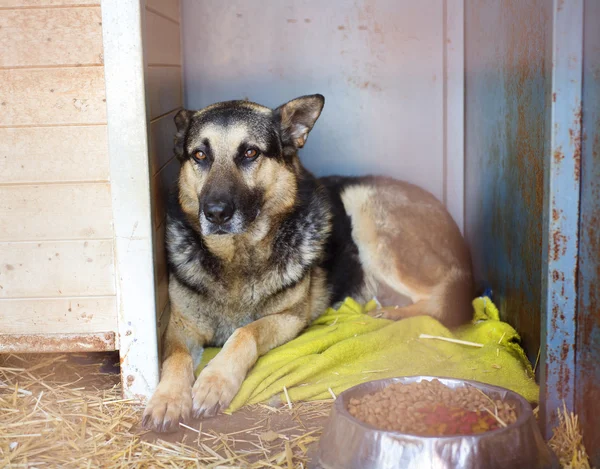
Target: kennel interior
pixel 490 105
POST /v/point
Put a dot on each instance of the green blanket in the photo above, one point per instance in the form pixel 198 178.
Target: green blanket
pixel 346 347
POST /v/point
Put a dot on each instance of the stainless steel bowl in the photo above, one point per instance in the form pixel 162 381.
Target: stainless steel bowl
pixel 348 443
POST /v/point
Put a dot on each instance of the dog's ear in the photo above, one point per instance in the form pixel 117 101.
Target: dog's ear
pixel 182 122
pixel 297 118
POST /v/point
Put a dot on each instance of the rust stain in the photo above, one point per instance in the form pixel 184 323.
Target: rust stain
pixel 9 267
pixel 559 244
pixel 564 376
pixel 553 97
pixel 556 214
pixel 307 20
pixel 363 85
pixel 564 352
pixel 341 27
pixel 575 138
pixel 558 155
pixel 291 20
pixel 57 343
pixel 362 27
pixel 556 276
pixel 555 315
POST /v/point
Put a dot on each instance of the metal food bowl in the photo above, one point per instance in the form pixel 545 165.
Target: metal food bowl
pixel 348 443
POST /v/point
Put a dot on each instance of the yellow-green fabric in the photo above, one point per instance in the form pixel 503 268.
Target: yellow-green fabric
pixel 346 347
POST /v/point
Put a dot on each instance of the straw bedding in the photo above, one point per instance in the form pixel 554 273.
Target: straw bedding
pixel 57 412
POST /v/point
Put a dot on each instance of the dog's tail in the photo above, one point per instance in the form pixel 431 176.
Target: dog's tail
pixel 452 299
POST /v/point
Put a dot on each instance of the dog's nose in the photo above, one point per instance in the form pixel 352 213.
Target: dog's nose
pixel 218 212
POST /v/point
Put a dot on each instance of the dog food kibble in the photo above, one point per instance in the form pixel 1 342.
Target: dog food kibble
pixel 429 408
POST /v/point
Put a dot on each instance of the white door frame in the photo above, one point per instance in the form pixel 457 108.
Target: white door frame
pixel 131 200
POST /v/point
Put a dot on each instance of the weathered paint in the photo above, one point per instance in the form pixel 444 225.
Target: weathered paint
pixel 587 374
pixel 130 190
pixel 57 343
pixel 561 215
pixel 507 93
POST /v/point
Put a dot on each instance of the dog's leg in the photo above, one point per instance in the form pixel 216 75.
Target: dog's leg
pixel 222 378
pixel 172 400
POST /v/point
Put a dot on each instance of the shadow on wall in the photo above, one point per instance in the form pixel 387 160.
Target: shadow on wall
pixel 379 64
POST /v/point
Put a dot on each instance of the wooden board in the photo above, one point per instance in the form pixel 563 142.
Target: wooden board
pixel 55 211
pixel 162 323
pixel 163 89
pixel 130 181
pixel 45 3
pixel 55 269
pixel 58 343
pixel 168 8
pixel 162 41
pixel 53 154
pixel 162 132
pixel 52 96
pixel 56 36
pixel 160 254
pixel 58 315
pixel 161 184
pixel 160 267
pixel 162 296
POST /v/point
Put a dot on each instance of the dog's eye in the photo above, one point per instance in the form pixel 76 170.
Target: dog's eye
pixel 251 153
pixel 199 155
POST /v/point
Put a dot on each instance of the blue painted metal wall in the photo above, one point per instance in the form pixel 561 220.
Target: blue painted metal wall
pixel 561 214
pixel 506 136
pixel 587 376
pixel 533 187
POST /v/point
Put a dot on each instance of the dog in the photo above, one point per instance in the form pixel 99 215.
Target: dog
pixel 258 247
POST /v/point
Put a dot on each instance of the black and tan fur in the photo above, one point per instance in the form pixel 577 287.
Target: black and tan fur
pixel 252 275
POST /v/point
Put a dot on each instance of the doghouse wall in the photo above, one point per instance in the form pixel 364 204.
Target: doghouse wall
pixel 507 92
pixel 164 97
pixel 390 70
pixel 532 150
pixel 587 372
pixel 57 272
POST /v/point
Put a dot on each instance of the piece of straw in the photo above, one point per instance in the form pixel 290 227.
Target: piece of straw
pixel 447 339
pixel 287 397
pixel 500 421
pixel 567 441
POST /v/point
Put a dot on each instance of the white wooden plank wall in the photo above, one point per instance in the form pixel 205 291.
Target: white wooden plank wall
pixel 164 97
pixel 57 273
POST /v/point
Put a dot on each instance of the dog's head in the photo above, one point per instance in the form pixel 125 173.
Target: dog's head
pixel 239 162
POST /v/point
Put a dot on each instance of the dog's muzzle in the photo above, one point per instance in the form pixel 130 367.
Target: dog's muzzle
pixel 219 212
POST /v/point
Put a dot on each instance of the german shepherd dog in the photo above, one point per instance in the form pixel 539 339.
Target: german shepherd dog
pixel 258 247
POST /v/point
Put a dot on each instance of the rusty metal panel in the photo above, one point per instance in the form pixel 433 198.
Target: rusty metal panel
pixel 561 214
pixel 587 373
pixel 507 129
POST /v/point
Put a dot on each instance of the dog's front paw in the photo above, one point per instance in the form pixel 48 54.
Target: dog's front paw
pixel 214 390
pixel 168 406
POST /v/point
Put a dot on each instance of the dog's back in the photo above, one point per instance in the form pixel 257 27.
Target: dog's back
pixel 397 242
